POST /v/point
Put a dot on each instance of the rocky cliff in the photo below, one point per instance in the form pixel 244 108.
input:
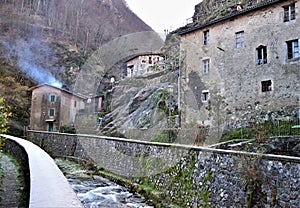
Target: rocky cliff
pixel 141 107
pixel 50 41
pixel 209 10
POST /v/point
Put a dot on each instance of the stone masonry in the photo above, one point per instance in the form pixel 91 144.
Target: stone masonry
pixel 231 93
pixel 189 176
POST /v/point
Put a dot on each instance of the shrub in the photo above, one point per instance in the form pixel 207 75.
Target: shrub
pixel 68 129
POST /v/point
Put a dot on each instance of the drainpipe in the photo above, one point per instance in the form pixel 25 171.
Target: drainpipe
pixel 179 90
pixel 44 123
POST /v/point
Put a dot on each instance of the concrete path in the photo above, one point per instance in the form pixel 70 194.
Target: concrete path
pixel 48 186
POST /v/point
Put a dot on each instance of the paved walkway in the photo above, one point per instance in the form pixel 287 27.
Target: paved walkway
pixel 48 185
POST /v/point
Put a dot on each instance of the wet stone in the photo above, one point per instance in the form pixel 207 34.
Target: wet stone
pixel 102 193
pixel 97 192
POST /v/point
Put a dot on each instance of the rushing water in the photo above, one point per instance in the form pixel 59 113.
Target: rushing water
pixel 98 192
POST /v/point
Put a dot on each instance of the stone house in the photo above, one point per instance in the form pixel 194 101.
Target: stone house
pixel 53 107
pixel 242 68
pixel 144 64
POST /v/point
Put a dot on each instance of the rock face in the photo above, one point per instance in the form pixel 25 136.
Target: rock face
pixel 204 9
pixel 208 10
pixel 140 107
pixel 137 107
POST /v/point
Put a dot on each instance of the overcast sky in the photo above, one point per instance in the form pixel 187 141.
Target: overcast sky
pixel 163 14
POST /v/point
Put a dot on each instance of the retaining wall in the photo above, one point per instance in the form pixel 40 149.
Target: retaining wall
pixel 190 176
pixel 46 184
pixel 19 153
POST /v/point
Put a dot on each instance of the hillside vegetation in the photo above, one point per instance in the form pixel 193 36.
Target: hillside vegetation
pixel 49 41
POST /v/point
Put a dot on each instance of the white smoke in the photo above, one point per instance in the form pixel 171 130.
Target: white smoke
pixel 38 74
pixel 30 56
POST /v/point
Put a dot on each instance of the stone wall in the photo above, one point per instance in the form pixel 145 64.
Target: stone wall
pixel 235 79
pixel 222 179
pixel 19 153
pixel 41 175
pixel 86 123
pixel 190 176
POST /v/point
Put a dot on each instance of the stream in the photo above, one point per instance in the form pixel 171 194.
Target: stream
pixel 100 192
pixel 97 192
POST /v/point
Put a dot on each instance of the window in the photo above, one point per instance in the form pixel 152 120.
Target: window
pixel 75 103
pixel 52 98
pixel 51 112
pixel 266 86
pixel 206 37
pixel 261 55
pixel 206 66
pixel 205 96
pixel 239 37
pixel 292 49
pixel 289 12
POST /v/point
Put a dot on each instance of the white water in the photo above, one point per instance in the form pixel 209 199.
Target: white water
pixel 102 193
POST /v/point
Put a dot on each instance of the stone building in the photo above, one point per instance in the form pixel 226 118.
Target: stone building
pixel 53 107
pixel 144 64
pixel 242 68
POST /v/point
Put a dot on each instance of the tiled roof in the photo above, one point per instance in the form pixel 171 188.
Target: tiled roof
pixel 63 90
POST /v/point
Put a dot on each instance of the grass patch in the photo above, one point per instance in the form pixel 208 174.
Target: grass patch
pixel 264 130
pixel 161 136
pixel 20 180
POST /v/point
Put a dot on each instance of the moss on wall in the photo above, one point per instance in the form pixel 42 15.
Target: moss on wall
pixel 192 176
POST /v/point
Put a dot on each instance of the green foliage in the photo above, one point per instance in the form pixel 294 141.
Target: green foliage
pixel 260 131
pixel 101 114
pixel 250 170
pixel 182 178
pixel 161 136
pixel 4 115
pixel 165 136
pixel 243 133
pixel 14 88
pixel 68 129
pixel 15 172
pixel 140 185
pixel 205 195
pixel 166 97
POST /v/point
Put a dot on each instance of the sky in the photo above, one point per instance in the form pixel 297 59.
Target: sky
pixel 163 15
